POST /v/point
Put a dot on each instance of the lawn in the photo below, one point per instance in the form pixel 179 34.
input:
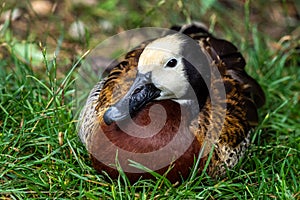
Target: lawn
pixel 41 155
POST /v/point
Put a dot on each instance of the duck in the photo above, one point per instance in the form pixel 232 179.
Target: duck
pixel 171 102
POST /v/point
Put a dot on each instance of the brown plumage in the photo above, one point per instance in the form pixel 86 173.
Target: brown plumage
pixel 222 123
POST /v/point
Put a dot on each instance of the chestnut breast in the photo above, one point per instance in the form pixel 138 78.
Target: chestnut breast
pixel 156 137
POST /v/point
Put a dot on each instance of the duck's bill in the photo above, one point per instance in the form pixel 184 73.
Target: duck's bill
pixel 141 92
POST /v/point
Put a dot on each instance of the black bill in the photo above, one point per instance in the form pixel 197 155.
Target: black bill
pixel 141 92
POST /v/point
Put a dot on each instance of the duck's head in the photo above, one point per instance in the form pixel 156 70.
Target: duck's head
pixel 172 67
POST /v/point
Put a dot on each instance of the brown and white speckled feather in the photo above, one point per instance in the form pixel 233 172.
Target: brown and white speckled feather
pixel 102 95
pixel 243 96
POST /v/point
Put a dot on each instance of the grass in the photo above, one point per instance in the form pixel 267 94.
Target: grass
pixel 42 157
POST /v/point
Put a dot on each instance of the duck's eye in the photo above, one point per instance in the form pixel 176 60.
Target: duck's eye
pixel 171 63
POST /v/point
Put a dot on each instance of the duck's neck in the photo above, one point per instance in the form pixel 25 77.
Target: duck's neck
pixel 199 79
pixel 192 106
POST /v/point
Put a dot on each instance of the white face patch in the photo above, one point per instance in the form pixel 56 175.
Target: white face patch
pixel 172 81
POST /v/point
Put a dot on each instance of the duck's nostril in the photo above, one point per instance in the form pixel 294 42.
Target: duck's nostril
pixel 137 90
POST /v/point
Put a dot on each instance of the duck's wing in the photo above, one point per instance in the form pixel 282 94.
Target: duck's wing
pixel 108 91
pixel 243 96
pixel 234 66
pixel 119 80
